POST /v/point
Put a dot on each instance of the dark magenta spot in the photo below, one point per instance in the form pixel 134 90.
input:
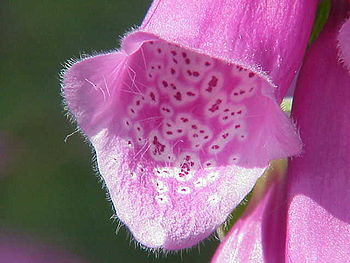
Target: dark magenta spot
pixel 178 96
pixel 159 148
pixel 215 106
pixel 153 97
pixel 165 83
pixel 213 82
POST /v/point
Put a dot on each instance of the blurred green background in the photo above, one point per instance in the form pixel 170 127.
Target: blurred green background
pixel 48 188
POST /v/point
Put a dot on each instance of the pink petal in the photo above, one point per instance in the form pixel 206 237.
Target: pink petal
pixel 182 136
pixel 268 36
pixel 344 43
pixel 258 236
pixel 319 196
pixel 88 88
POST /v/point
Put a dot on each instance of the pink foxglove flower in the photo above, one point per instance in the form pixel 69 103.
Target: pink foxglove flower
pixel 185 117
pixel 313 209
pixel 318 226
pixel 258 235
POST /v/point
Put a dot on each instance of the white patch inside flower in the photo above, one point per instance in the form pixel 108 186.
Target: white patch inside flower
pixel 213 176
pixel 180 96
pixel 161 199
pixel 139 134
pixel 138 129
pixel 199 135
pixel 184 190
pixel 213 199
pixel 242 136
pixel 209 163
pixel 166 110
pixel 172 71
pixel 153 70
pixel 152 96
pixel 200 182
pixel 159 148
pixel 132 111
pixel 127 123
pixel 138 102
pixel 171 130
pixel 230 113
pixel 226 135
pixel 234 159
pixel 163 172
pixel 216 147
pixel 161 186
pixel 184 120
pixel 129 143
pixel 212 84
pixel 133 175
pixel 214 106
pixel 184 176
pixel 243 92
pixel 187 162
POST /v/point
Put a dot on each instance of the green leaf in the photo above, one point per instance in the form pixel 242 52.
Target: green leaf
pixel 323 10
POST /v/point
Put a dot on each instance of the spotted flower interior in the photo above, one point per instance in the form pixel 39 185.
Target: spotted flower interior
pixel 187 111
pixel 180 137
